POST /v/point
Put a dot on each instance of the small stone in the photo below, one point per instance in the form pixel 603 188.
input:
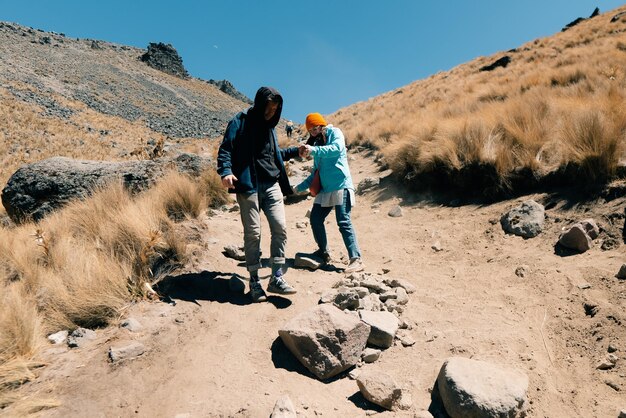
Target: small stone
pixel 124 352
pixel 78 337
pixel 370 355
pixel 58 337
pixel 395 212
pixel 621 274
pixel 284 408
pixel 611 348
pixel 436 247
pixel 131 324
pixel 522 271
pixel 622 414
pixel 302 225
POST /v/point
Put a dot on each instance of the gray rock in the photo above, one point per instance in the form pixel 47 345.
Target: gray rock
pixel 39 188
pixel 576 238
pixel 393 282
pixel 325 340
pixel 525 220
pixel 384 326
pixel 402 298
pixel 366 184
pixel 622 414
pixel 58 337
pixel 395 212
pixel 473 388
pixel 370 355
pixel 284 408
pixel 347 299
pixel 621 274
pixel 235 252
pixel 306 261
pixel 126 351
pixel 591 228
pixel 164 57
pixel 131 324
pixel 80 336
pixel 381 389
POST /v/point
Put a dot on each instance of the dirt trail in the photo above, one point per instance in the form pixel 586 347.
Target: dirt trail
pixel 215 354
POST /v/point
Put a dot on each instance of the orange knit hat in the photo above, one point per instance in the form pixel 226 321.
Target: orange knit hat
pixel 314 119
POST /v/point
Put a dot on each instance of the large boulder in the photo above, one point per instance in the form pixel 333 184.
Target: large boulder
pixel 326 340
pixel 39 188
pixel 476 389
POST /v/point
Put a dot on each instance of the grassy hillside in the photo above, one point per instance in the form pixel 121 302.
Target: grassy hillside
pixel 556 115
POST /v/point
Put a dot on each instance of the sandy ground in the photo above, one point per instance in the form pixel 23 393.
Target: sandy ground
pixel 215 354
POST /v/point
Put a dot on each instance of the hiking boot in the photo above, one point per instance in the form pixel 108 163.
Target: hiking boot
pixel 356 265
pixel 256 291
pixel 324 255
pixel 280 286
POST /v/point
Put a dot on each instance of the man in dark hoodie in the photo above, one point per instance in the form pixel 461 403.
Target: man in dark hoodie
pixel 250 164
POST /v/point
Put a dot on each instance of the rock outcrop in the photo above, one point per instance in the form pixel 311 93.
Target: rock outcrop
pixel 39 188
pixel 164 57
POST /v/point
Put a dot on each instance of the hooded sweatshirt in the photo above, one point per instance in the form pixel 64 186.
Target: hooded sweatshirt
pixel 250 149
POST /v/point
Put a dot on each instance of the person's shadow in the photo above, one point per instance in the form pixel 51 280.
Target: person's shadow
pixel 210 286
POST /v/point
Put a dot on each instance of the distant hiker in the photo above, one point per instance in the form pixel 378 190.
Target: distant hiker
pixel 328 148
pixel 250 164
pixel 289 128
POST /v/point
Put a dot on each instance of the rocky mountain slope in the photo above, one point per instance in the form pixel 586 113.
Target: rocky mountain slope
pixel 38 67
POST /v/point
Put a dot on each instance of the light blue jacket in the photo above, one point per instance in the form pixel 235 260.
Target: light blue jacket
pixel 332 161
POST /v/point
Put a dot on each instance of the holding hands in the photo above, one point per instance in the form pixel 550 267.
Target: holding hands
pixel 304 150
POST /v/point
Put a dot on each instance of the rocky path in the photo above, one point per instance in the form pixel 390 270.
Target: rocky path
pixel 216 354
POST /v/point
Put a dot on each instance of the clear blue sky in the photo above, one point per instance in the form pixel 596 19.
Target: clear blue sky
pixel 321 55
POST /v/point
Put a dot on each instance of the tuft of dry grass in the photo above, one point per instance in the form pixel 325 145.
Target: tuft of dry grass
pixel 82 265
pixel 523 124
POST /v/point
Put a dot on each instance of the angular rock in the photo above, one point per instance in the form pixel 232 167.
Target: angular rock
pixel 58 337
pixel 384 326
pixel 395 212
pixel 591 228
pixel 306 261
pixel 131 324
pixel 401 296
pixel 164 57
pixel 525 220
pixel 39 188
pixel 473 388
pixel 366 184
pixel 79 336
pixel 126 351
pixel 621 274
pixel 576 238
pixel 381 389
pixel 393 282
pixel 325 340
pixel 235 252
pixel 283 408
pixel 370 355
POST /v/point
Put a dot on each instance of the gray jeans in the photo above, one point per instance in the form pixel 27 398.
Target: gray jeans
pixel 268 199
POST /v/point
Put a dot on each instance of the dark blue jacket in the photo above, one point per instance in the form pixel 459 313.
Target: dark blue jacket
pixel 236 152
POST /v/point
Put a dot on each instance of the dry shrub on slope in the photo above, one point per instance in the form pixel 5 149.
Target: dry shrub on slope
pixel 556 113
pixel 83 264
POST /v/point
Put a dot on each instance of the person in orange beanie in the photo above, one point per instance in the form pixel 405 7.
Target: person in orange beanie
pixel 327 145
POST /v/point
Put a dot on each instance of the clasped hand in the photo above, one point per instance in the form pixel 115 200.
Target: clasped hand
pixel 304 150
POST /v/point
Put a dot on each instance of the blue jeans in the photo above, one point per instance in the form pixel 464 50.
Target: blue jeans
pixel 342 214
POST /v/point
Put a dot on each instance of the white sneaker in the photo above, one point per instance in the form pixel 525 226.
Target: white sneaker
pixel 356 265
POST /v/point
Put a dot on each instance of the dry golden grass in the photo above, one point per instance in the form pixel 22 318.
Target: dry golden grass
pixel 558 107
pixel 82 265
